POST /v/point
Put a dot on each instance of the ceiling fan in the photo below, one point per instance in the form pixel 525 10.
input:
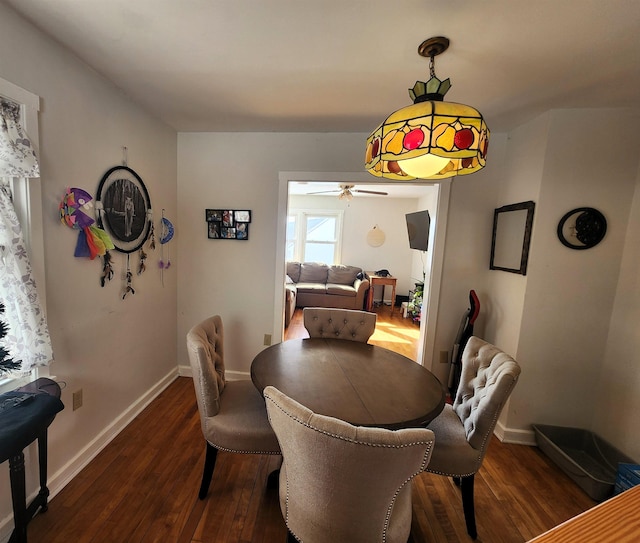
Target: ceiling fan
pixel 346 192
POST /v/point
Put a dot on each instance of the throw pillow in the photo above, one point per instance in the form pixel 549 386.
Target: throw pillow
pixel 313 272
pixel 343 275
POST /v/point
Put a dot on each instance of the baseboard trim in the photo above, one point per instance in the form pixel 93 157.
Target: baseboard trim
pixel 517 437
pixel 64 475
pixel 185 371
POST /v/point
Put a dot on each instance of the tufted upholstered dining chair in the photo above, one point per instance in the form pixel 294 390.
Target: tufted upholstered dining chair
pixel 344 483
pixel 233 414
pixel 463 430
pixel 348 324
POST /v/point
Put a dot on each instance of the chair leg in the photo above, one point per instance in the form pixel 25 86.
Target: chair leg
pixel 273 478
pixel 291 538
pixel 466 487
pixel 207 473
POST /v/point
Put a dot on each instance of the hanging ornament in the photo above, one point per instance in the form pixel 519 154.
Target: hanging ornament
pixel 123 209
pixel 129 276
pixel 166 234
pixel 152 233
pixel 92 241
pixel 141 264
pixel 107 269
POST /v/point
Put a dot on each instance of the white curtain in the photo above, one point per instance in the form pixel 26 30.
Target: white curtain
pixel 27 337
pixel 17 155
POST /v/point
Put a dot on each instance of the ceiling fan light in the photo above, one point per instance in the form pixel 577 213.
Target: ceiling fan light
pixel 345 195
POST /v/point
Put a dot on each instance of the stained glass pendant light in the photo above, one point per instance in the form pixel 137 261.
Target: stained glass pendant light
pixel 431 139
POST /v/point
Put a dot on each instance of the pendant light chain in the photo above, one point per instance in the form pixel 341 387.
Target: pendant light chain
pixel 432 66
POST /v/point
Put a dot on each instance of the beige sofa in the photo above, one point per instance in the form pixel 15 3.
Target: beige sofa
pixel 312 284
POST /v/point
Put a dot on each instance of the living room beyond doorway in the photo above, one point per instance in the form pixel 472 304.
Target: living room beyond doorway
pixel 432 196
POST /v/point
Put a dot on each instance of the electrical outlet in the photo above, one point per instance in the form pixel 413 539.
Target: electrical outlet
pixel 444 357
pixel 77 399
pixel 267 339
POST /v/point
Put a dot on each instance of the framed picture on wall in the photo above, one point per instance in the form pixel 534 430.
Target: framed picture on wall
pixel 243 216
pixel 228 223
pixel 213 215
pixel 213 230
pixel 123 210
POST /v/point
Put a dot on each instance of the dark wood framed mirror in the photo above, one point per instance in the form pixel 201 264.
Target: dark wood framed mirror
pixel 511 237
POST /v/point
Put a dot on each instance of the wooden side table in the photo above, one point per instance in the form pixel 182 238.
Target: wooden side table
pixel 26 414
pixel 616 520
pixel 384 281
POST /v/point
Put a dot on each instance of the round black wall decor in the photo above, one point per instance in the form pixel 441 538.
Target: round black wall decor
pixel 123 207
pixel 582 228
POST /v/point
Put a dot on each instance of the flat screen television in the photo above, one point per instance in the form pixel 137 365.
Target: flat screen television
pixel 418 224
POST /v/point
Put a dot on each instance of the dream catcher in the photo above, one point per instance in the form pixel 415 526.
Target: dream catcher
pixel 124 211
pixel 92 241
pixel 166 234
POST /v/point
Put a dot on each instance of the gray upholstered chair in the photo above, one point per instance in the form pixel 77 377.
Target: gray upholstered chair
pixel 233 415
pixel 348 324
pixel 340 482
pixel 463 430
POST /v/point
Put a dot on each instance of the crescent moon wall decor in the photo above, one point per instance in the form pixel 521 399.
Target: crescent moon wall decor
pixel 582 228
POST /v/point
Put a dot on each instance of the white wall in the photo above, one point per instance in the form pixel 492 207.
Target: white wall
pixel 522 179
pixel 467 250
pixel 236 279
pixel 116 351
pixel 617 401
pixel 569 293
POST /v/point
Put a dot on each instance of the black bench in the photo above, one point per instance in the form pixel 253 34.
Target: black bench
pixel 25 415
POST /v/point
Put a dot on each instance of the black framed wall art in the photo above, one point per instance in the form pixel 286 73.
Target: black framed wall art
pixel 228 223
pixel 512 225
pixel 124 208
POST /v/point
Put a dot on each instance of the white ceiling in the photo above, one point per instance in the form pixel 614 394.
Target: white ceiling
pixel 343 65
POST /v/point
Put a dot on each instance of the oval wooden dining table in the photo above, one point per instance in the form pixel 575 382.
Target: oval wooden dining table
pixel 362 384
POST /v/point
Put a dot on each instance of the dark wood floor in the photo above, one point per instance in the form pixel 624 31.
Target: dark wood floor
pixel 143 487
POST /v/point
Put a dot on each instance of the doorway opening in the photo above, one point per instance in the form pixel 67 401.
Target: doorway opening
pixel 434 257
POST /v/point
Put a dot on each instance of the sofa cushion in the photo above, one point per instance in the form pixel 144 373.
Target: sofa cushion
pixel 311 288
pixel 341 290
pixel 293 271
pixel 313 272
pixel 343 275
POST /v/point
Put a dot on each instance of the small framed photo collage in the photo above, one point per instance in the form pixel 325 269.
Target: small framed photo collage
pixel 228 223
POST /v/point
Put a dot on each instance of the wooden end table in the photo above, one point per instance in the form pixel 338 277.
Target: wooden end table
pixel 384 281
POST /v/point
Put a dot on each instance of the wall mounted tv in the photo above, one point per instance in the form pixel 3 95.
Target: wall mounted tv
pixel 418 224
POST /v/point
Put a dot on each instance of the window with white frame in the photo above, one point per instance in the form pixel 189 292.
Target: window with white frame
pixel 314 236
pixel 25 198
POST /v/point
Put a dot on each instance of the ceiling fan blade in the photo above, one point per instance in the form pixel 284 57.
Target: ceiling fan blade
pixel 324 192
pixel 371 192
